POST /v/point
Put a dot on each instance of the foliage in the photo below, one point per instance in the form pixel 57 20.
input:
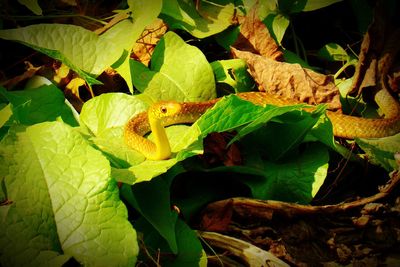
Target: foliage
pixel 61 171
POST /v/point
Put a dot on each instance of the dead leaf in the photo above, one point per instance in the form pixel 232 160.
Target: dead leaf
pixel 291 81
pixel 144 47
pixel 378 51
pixel 255 37
pixel 218 221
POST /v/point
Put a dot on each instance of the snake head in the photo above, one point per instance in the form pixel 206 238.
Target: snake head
pixel 164 109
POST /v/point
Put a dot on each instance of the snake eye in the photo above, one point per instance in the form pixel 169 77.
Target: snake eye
pixel 163 109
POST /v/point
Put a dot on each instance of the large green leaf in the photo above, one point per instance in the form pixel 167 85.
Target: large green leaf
pixel 157 209
pixel 45 103
pixel 110 110
pixel 63 202
pixel 105 116
pixel 211 18
pixel 82 47
pixel 82 50
pixel 178 72
pixel 190 252
pixel 296 180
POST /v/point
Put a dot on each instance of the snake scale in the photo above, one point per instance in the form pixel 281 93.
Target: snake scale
pixel 167 113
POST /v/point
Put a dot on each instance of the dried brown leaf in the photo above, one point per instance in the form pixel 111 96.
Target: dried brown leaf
pixel 377 54
pixel 255 37
pixel 291 81
pixel 217 221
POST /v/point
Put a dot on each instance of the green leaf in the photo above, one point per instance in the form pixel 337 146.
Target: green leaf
pixel 105 117
pixel 144 13
pixel 277 25
pixel 5 114
pixel 178 72
pixel 228 37
pixel 333 52
pixel 45 103
pixel 80 49
pixel 156 209
pixel 190 252
pixel 32 5
pixel 213 16
pixel 233 72
pixel 110 111
pixel 64 202
pixel 381 151
pixel 297 179
pixel 284 133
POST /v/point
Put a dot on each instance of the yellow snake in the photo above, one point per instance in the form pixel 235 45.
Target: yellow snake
pixel 167 113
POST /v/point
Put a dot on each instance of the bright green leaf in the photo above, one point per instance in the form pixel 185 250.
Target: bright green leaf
pixel 80 49
pixel 45 103
pixel 64 202
pixel 178 72
pixel 380 151
pixel 211 18
pixel 110 110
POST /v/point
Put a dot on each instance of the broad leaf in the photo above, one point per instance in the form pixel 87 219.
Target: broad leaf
pixel 80 49
pixel 190 252
pixel 297 179
pixel 211 18
pixel 157 209
pixel 178 72
pixel 64 202
pixel 45 103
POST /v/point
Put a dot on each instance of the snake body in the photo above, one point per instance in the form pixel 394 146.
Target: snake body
pixel 167 113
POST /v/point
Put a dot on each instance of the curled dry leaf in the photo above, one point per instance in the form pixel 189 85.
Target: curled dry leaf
pixel 291 81
pixel 255 37
pixel 378 51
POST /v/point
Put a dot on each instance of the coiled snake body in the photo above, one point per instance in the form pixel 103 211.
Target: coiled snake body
pixel 167 113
